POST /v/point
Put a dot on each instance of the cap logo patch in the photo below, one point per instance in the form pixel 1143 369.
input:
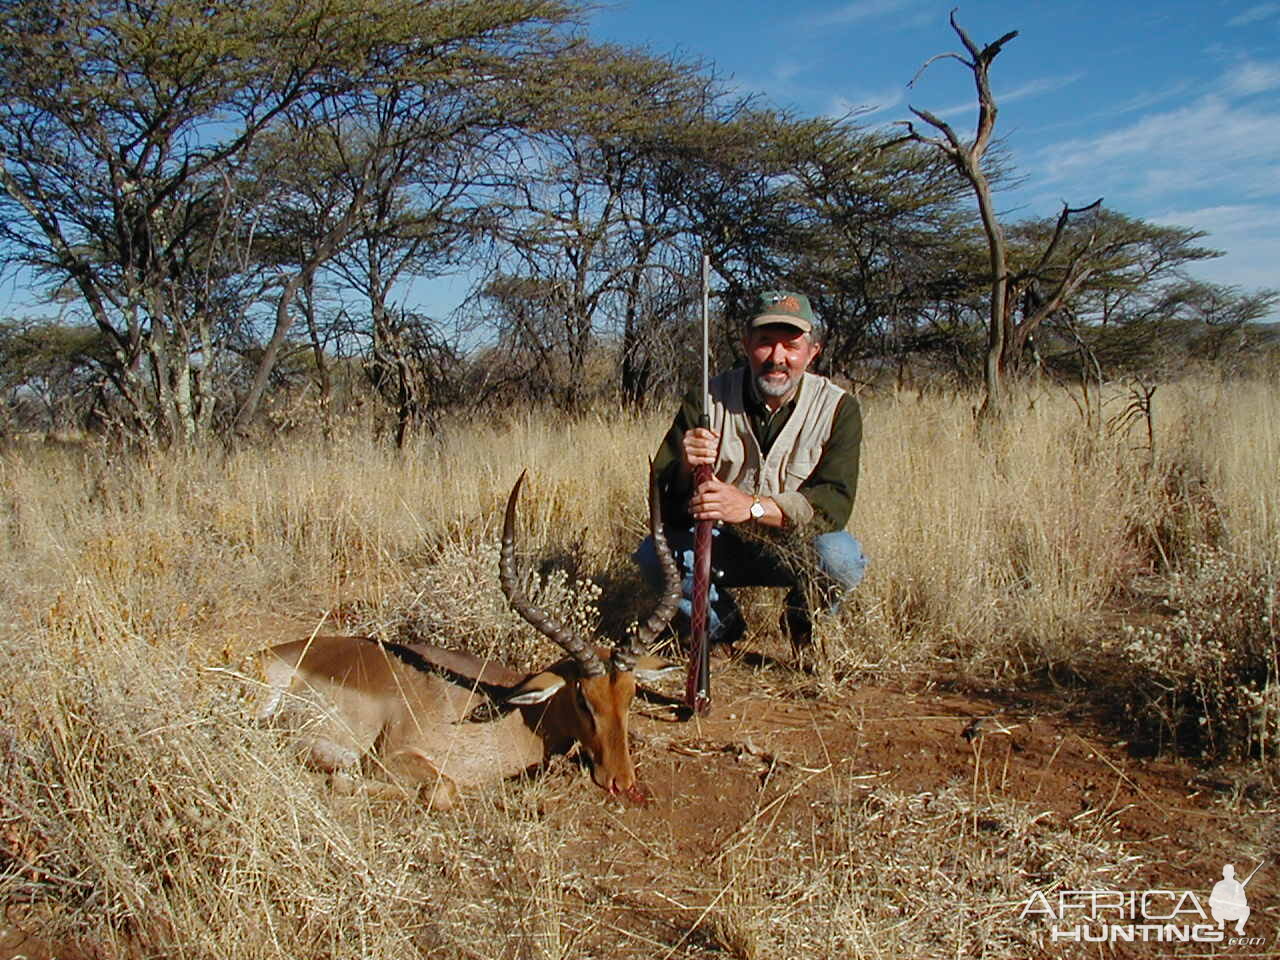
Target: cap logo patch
pixel 789 304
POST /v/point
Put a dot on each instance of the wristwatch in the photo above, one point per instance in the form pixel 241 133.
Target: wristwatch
pixel 757 508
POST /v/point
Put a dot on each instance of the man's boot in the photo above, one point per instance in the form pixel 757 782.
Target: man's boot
pixel 797 624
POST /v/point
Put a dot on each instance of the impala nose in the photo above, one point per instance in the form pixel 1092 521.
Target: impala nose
pixel 615 783
pixel 629 788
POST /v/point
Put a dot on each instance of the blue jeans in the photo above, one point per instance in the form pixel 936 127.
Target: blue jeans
pixel 836 566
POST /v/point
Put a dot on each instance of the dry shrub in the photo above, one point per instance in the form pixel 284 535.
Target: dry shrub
pixel 133 774
pixel 999 551
pixel 1207 680
pixel 991 550
pixel 305 525
pixel 455 601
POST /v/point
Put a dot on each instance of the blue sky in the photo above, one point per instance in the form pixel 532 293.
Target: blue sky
pixel 1170 111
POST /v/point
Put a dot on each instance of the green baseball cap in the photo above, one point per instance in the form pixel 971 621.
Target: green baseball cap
pixel 783 306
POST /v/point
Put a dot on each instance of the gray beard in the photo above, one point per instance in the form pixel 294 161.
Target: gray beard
pixel 775 390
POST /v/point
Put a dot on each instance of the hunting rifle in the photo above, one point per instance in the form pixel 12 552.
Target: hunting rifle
pixel 698 684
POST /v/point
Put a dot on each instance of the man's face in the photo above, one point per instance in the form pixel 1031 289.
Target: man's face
pixel 779 355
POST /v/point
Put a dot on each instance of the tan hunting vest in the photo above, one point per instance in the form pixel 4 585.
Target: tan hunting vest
pixel 795 453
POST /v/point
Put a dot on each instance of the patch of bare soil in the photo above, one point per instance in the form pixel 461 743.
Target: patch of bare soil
pixel 803 767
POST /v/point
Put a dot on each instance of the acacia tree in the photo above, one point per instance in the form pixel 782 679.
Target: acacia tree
pixel 48 373
pixel 1165 321
pixel 589 245
pixel 874 234
pixel 109 186
pixel 420 219
pixel 330 187
pixel 738 183
pixel 1061 273
pixel 863 224
pixel 124 129
pixel 376 182
pixel 1224 320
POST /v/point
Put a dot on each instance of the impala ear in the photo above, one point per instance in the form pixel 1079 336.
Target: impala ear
pixel 539 688
pixel 652 669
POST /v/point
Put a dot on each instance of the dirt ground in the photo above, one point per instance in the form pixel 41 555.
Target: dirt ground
pixel 709 780
pixel 779 753
pixel 1054 756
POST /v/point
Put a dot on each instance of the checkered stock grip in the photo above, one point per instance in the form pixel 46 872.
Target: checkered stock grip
pixel 698 682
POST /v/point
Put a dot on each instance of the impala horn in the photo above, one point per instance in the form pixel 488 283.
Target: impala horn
pixel 626 653
pixel 582 652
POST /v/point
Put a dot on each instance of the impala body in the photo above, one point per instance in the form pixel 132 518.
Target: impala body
pixel 406 710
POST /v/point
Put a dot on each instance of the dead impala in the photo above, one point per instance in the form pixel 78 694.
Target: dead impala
pixel 408 707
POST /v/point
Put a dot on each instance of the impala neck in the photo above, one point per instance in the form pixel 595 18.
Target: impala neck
pixel 523 739
pixel 548 723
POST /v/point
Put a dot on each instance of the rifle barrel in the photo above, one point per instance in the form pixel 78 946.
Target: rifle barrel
pixel 706 336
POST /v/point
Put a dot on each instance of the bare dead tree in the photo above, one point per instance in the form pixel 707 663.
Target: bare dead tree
pixel 967 159
pixel 1019 301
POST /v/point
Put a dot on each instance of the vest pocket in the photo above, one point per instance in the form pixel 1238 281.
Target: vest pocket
pixel 797 472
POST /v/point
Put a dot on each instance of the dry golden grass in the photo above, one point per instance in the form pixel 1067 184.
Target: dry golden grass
pixel 884 873
pixel 1007 549
pixel 143 812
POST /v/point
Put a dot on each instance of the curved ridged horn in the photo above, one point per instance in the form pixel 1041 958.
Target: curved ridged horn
pixel 625 654
pixel 587 659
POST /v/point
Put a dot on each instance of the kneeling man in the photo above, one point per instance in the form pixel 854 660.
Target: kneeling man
pixel 783 446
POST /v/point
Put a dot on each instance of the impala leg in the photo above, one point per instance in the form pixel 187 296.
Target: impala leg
pixel 414 772
pixel 329 755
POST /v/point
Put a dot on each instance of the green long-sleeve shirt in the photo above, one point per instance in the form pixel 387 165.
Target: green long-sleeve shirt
pixel 830 488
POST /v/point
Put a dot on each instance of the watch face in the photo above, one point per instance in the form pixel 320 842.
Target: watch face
pixel 757 509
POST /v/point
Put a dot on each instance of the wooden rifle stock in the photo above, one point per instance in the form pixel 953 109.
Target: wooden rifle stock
pixel 697 693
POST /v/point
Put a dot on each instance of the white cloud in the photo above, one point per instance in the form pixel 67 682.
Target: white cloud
pixel 1247 231
pixel 1034 88
pixel 1247 237
pixel 868 103
pixel 1239 219
pixel 862 10
pixel 1210 141
pixel 1249 271
pixel 1211 163
pixel 1255 14
pixel 1149 98
pixel 785 71
pixel 1252 77
pixel 1111 111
